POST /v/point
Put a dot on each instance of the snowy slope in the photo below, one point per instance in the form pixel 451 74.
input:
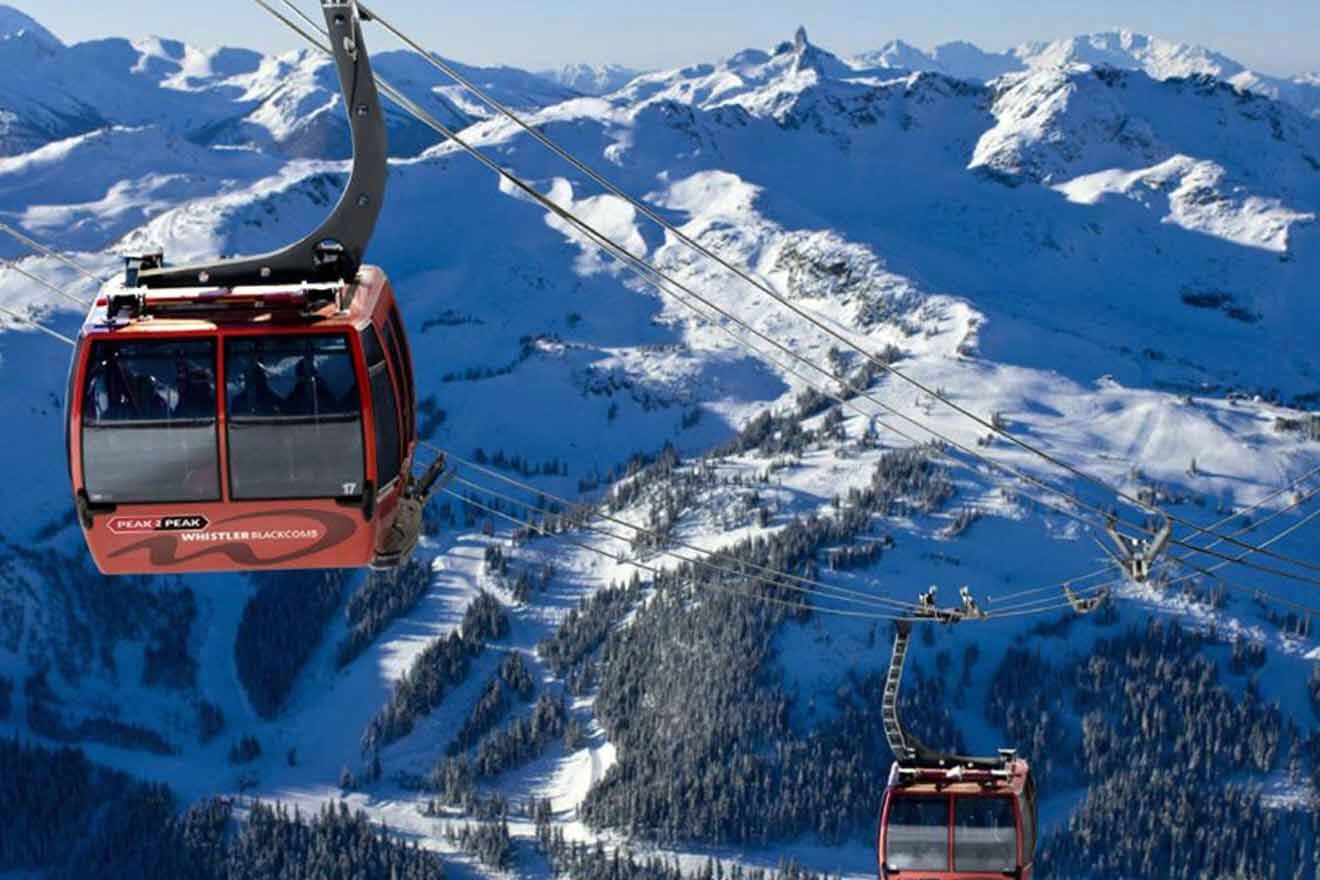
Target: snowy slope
pixel 1120 264
pixel 131 174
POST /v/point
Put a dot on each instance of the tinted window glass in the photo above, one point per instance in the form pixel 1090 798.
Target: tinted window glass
pixel 371 347
pixel 917 834
pixel 399 350
pixel 1027 808
pixel 388 454
pixel 148 420
pixel 295 417
pixel 1028 829
pixel 392 349
pixel 148 426
pixel 984 834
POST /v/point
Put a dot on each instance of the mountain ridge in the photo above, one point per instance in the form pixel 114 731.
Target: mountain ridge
pixel 224 96
pixel 17 25
pixel 1124 49
pixel 592 79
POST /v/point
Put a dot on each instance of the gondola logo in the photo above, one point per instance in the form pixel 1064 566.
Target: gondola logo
pixel 236 537
pixel 128 525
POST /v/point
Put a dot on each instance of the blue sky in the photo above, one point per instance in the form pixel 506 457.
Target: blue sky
pixel 1274 36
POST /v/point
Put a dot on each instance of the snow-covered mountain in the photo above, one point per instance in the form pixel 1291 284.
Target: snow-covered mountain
pixel 1116 263
pixel 287 103
pixel 591 79
pixel 1158 58
pixel 15 25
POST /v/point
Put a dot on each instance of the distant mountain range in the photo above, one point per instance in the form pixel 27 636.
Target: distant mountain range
pixel 287 102
pixel 591 79
pixel 1158 58
pixel 220 97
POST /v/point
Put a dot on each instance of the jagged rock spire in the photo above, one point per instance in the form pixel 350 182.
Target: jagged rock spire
pixel 800 39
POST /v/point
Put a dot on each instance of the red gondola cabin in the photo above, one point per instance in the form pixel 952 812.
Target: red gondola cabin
pixel 258 412
pixel 958 823
pixel 256 428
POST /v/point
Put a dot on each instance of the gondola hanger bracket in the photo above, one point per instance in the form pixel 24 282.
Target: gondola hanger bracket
pixel 1137 556
pixel 334 251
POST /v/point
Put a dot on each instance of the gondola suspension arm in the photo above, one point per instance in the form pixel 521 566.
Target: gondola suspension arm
pixel 334 250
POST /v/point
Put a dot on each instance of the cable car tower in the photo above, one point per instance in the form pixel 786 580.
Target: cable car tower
pixel 259 412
